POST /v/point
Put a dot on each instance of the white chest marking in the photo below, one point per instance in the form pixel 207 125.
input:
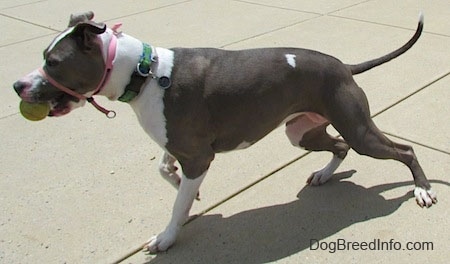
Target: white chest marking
pixel 149 105
pixel 291 59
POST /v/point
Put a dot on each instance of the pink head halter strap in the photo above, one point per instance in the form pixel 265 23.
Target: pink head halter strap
pixel 111 54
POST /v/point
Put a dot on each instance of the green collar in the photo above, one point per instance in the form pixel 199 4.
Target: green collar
pixel 140 74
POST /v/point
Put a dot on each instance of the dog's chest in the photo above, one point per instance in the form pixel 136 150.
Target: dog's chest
pixel 149 109
pixel 149 105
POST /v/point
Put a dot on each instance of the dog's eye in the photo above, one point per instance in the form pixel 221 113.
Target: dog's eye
pixel 51 62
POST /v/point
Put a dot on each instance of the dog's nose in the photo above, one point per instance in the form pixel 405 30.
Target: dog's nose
pixel 19 86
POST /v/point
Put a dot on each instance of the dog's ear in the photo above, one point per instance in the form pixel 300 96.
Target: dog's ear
pixel 80 17
pixel 86 34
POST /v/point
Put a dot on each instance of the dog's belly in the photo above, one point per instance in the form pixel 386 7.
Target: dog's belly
pixel 241 133
pixel 297 125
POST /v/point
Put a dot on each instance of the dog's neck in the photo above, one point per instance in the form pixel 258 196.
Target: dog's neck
pixel 128 53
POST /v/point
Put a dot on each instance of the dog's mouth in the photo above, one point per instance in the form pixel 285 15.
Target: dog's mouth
pixel 58 109
pixel 34 89
pixel 63 105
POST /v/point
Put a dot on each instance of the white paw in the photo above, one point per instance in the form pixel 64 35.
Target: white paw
pixel 161 242
pixel 319 177
pixel 425 197
pixel 323 175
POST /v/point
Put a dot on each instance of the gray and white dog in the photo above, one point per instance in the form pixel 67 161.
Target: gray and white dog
pixel 196 102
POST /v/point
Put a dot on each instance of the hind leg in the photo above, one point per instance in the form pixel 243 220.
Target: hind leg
pixel 351 117
pixel 309 131
pixel 373 143
pixel 318 139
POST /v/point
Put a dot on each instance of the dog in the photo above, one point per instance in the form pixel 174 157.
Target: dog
pixel 196 102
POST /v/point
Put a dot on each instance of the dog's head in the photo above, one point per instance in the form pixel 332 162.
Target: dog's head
pixel 74 59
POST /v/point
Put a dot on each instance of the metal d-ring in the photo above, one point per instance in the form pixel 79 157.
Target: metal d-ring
pixel 138 69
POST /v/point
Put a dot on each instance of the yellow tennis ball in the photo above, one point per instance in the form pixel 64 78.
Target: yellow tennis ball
pixel 34 111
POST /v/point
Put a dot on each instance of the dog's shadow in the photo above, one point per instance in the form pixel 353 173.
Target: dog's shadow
pixel 275 232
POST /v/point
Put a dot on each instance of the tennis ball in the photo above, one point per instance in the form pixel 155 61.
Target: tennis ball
pixel 34 111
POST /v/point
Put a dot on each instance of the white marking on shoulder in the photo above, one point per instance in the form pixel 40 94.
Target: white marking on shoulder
pixel 149 105
pixel 291 59
pixel 59 38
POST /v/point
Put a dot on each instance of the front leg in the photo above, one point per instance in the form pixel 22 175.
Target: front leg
pixel 168 170
pixel 186 194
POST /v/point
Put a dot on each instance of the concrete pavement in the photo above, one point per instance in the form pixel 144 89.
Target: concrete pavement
pixel 85 189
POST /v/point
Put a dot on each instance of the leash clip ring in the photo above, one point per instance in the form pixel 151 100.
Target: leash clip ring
pixel 143 74
pixel 111 114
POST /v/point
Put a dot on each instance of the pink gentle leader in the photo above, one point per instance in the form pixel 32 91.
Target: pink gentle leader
pixel 111 54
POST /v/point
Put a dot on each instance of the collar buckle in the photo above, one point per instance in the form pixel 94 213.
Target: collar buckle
pixel 139 77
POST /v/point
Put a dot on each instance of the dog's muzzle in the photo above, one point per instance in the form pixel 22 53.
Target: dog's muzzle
pixel 108 113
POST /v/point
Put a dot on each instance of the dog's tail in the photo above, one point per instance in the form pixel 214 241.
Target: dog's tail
pixel 362 67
